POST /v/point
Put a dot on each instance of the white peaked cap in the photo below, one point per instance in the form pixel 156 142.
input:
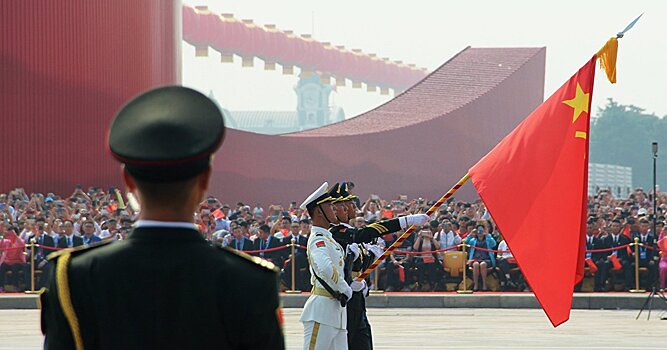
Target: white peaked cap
pixel 315 195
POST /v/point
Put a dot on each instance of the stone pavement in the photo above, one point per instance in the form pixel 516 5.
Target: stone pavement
pixel 447 300
pixel 425 329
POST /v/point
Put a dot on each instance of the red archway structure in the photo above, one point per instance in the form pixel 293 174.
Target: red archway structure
pixel 231 36
pixel 419 143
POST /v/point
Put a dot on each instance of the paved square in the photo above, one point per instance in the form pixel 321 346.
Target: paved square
pixel 484 329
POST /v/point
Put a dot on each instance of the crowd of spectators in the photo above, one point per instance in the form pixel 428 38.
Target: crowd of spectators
pixel 421 263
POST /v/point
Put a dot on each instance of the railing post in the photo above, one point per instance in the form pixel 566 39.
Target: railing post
pixel 376 288
pixel 465 289
pixel 293 263
pixel 636 290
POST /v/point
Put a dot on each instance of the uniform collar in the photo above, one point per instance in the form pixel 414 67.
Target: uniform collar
pixel 165 224
pixel 180 233
pixel 318 229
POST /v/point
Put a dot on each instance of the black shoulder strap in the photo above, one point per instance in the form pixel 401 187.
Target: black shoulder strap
pixel 337 295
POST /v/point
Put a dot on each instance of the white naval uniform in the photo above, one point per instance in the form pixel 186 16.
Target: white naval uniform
pixel 324 320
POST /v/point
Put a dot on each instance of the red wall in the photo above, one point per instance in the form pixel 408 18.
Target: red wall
pixel 66 67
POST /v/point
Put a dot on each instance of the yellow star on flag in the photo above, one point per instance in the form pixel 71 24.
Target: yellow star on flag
pixel 579 103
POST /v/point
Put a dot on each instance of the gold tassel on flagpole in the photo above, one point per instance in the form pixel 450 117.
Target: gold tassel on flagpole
pixel 607 56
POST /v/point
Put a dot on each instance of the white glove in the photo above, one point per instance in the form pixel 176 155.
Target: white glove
pixel 348 292
pixel 358 286
pixel 354 249
pixel 375 249
pixel 415 219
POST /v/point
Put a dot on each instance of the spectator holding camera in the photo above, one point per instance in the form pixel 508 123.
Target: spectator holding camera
pixel 371 208
pixel 428 265
pixel 109 229
pixel 446 236
pixel 480 260
pixel 281 228
pixel 399 268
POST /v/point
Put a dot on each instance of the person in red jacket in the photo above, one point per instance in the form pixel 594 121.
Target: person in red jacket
pixel 12 258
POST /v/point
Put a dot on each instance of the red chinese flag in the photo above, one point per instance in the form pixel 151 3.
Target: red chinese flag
pixel 534 184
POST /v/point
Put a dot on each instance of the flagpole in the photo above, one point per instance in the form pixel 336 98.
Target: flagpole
pixel 412 228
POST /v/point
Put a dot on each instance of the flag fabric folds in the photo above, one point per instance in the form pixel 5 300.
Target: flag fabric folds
pixel 534 184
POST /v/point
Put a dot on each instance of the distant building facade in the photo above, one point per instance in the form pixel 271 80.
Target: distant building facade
pixel 312 111
pixel 616 178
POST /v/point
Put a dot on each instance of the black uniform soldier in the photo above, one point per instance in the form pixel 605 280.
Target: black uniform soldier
pixel 358 258
pixel 164 287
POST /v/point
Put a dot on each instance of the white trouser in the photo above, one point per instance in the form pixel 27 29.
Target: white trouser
pixel 317 336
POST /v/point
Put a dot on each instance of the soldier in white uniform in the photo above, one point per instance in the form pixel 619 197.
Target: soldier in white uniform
pixel 324 316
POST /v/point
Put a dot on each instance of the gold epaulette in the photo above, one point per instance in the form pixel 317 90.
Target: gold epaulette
pixel 253 259
pixel 76 250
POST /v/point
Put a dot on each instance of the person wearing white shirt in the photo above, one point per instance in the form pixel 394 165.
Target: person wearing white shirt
pixel 111 230
pixel 447 237
pixel 258 212
pixel 506 263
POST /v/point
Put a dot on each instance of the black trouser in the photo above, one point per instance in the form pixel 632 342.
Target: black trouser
pixel 16 269
pixel 359 335
pixel 428 273
pixel 393 279
pixel 301 278
pixel 598 283
pixel 652 272
pixel 505 268
pixel 627 272
pixel 43 279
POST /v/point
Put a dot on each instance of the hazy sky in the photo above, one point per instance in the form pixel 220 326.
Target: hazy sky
pixel 428 33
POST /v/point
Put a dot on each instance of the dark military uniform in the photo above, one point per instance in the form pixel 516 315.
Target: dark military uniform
pixel 359 334
pixel 161 288
pixel 164 287
pixel 358 328
pixel 345 235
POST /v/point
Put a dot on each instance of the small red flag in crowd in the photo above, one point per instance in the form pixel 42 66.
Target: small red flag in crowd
pixel 626 231
pixel 218 214
pixel 542 169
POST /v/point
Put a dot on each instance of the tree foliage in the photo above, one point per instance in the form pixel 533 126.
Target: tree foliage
pixel 622 135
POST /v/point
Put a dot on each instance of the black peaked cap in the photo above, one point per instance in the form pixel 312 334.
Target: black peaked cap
pixel 334 192
pixel 167 134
